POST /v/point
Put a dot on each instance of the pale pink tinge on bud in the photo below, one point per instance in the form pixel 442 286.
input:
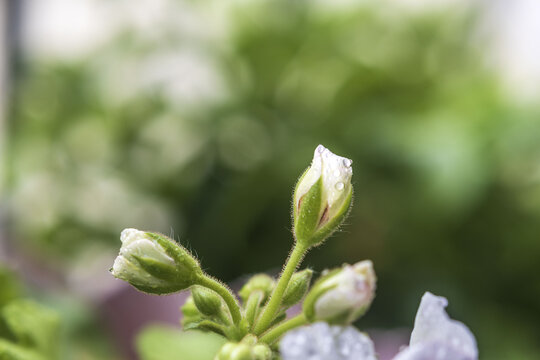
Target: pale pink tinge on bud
pixel 350 293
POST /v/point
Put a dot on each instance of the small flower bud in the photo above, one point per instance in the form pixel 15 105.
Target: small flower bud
pixel 259 282
pixel 343 295
pixel 322 197
pixel 247 349
pixel 261 352
pixel 155 264
pixel 190 312
pixel 297 288
pixel 207 301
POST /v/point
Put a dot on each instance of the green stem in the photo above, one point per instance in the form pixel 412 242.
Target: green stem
pixel 252 307
pixel 281 329
pixel 225 293
pixel 273 305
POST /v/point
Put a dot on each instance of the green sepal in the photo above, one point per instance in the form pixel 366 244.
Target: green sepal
pixel 295 206
pixel 297 288
pixel 206 325
pixel 155 286
pixel 333 223
pixel 308 214
pixel 319 288
pixel 159 269
pixel 156 289
pixel 183 259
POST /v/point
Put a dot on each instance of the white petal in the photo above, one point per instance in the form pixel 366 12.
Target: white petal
pixel 336 174
pixel 353 291
pixel 130 235
pixel 320 341
pixel 432 324
pixel 432 351
pixel 311 177
pixel 146 248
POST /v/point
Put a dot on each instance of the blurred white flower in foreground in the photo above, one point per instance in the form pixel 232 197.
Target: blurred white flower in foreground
pixel 323 342
pixel 437 337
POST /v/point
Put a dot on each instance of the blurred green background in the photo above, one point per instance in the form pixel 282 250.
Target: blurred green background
pixel 198 123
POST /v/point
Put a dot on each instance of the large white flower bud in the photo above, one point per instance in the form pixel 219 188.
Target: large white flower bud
pixel 322 197
pixel 343 295
pixel 155 264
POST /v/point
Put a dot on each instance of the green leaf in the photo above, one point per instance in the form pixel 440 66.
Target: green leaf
pixel 34 328
pixel 10 351
pixel 167 343
pixel 11 288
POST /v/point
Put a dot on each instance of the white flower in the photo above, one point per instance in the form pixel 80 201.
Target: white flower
pixel 437 337
pixel 343 295
pixel 322 342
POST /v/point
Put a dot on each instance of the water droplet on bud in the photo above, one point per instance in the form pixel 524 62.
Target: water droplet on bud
pixel 340 186
pixel 347 163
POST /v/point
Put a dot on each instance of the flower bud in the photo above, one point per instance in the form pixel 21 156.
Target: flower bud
pixel 155 264
pixel 207 301
pixel 297 288
pixel 259 282
pixel 247 349
pixel 190 312
pixel 343 295
pixel 322 197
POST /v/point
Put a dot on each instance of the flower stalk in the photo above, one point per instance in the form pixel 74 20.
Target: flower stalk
pixel 274 334
pixel 271 309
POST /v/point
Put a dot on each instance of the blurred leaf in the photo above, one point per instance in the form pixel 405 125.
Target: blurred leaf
pixel 35 329
pixel 10 351
pixel 167 343
pixel 11 288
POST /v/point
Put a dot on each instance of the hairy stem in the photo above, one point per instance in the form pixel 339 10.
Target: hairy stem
pixel 252 307
pixel 275 333
pixel 273 305
pixel 225 293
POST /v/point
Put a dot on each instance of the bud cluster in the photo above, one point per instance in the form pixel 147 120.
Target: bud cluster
pixel 156 264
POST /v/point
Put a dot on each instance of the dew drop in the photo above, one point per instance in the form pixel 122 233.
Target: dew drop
pixel 340 186
pixel 337 173
pixel 320 149
pixel 347 163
